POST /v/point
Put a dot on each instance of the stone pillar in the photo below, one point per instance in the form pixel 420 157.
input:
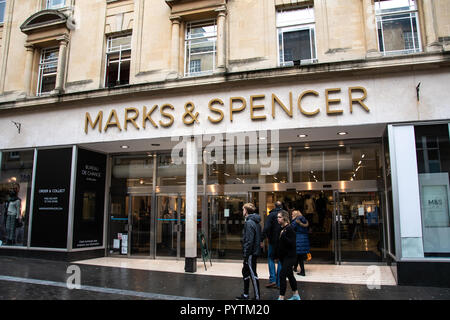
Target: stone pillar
pixel 431 38
pixel 370 29
pixel 290 166
pixel 205 217
pixel 28 66
pixel 175 47
pixel 191 206
pixel 61 72
pixel 221 39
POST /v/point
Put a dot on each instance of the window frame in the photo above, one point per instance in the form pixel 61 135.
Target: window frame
pixel 413 13
pixel 2 18
pixel 300 25
pixel 110 51
pixel 49 5
pixel 44 63
pixel 187 41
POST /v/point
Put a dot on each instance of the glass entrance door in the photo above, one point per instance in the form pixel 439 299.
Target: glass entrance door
pixel 317 207
pixel 170 226
pixel 139 228
pixel 358 227
pixel 225 225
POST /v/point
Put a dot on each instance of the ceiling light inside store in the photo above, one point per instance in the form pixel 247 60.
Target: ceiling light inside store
pixel 342 133
pixel 302 135
pixel 124 147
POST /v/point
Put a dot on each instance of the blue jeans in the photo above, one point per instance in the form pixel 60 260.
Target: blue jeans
pixel 274 275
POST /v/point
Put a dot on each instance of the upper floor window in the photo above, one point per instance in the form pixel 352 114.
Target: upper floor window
pixel 48 68
pixel 296 36
pixel 398 30
pixel 55 4
pixel 200 44
pixel 2 10
pixel 118 58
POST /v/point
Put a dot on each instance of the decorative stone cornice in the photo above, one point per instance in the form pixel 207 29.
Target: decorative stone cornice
pixel 43 19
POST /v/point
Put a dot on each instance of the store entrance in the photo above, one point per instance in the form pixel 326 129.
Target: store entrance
pixel 226 224
pixel 317 207
pixel 358 227
pixel 344 226
pixel 170 225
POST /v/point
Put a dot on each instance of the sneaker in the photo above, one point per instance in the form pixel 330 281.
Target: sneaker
pixel 295 297
pixel 301 273
pixel 243 297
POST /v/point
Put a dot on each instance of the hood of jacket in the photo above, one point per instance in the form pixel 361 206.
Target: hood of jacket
pixel 254 217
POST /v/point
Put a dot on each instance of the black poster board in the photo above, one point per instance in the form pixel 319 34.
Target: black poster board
pixel 51 198
pixel 89 200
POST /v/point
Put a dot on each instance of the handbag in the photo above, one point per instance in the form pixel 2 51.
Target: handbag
pixel 308 257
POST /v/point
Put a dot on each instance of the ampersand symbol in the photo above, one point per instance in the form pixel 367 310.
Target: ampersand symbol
pixel 189 108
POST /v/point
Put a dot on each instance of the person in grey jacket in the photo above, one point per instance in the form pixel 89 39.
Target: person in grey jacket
pixel 251 249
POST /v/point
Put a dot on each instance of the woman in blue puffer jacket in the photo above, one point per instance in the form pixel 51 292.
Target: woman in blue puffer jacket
pixel 300 225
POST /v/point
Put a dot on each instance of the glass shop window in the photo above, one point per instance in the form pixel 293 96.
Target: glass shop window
pixel 15 194
pixel 433 164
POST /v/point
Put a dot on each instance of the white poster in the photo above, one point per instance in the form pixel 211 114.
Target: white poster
pixel 435 206
pixel 124 249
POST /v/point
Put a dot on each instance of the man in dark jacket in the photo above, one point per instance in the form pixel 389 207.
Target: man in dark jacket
pixel 251 239
pixel 272 233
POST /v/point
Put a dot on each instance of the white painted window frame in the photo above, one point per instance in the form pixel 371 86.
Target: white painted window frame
pixel 43 64
pixel 305 23
pixel 49 4
pixel 188 56
pixel 117 49
pixel 413 13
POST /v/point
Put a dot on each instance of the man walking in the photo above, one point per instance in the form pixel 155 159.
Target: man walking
pixel 251 239
pixel 272 232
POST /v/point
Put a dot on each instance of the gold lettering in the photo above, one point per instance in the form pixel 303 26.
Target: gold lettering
pixel 275 98
pixel 260 106
pixel 116 123
pixel 329 101
pixel 189 107
pixel 167 115
pixel 210 106
pixel 244 104
pixel 358 100
pixel 132 119
pixel 147 116
pixel 98 120
pixel 299 102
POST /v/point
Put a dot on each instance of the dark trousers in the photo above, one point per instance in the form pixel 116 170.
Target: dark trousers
pixel 287 265
pixel 249 273
pixel 300 261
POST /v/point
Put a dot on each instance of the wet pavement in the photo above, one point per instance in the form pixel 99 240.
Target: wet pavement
pixel 34 279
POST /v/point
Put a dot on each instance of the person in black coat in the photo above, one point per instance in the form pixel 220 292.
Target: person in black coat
pixel 251 249
pixel 286 252
pixel 272 232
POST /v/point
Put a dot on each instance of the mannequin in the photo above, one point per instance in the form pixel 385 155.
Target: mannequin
pixel 13 212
